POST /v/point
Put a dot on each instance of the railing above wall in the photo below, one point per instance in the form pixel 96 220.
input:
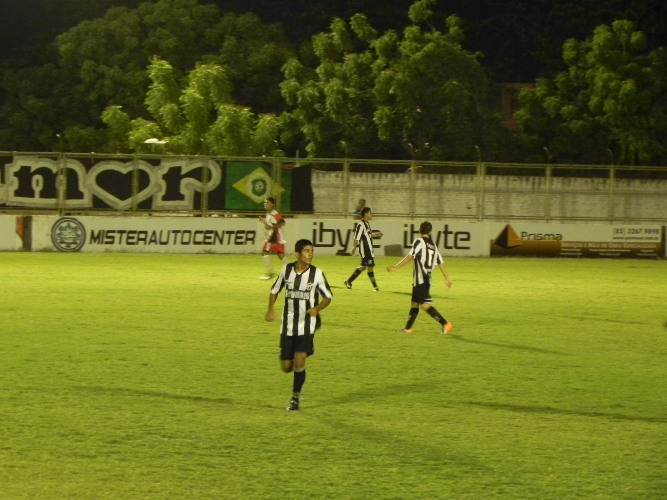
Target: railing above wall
pixel 93 183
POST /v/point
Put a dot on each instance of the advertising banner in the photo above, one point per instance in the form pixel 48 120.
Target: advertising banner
pixel 250 183
pixel 239 235
pixel 576 240
pixel 132 183
pixel 461 239
pixel 147 234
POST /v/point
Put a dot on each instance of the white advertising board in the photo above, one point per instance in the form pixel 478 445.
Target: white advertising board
pixel 332 237
pixel 11 233
pixel 236 235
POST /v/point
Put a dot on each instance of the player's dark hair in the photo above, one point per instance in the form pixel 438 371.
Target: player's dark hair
pixel 301 244
pixel 364 211
pixel 271 199
pixel 425 227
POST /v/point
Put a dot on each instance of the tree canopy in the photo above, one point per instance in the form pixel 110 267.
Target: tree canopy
pixel 417 93
pixel 105 61
pixel 611 99
pixel 220 79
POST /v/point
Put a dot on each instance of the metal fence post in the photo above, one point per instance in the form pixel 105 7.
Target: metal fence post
pixel 481 181
pixel 346 186
pixel 135 183
pixel 204 189
pixel 547 201
pixel 61 184
pixel 61 178
pixel 612 192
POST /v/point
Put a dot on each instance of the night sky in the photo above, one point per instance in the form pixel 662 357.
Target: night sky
pixel 510 33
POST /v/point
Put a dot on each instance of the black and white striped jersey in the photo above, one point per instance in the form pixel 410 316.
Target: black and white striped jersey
pixel 426 257
pixel 302 292
pixel 363 237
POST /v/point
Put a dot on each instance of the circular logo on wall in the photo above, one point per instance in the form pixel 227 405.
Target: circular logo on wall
pixel 68 234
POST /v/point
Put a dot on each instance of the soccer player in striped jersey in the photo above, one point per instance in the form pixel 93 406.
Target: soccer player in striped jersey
pixel 304 286
pixel 426 257
pixel 363 239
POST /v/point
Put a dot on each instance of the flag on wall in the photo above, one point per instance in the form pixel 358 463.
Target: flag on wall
pixel 250 183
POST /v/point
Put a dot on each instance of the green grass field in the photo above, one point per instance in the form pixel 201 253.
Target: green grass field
pixel 156 376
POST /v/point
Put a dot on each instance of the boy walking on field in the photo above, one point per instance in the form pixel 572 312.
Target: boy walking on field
pixel 363 239
pixel 426 257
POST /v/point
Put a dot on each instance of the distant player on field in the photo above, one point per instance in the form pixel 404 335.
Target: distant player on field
pixel 304 284
pixel 274 243
pixel 363 239
pixel 361 204
pixel 426 257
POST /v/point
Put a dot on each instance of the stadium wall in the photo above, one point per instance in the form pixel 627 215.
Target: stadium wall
pixel 240 235
pixel 493 197
pixel 95 184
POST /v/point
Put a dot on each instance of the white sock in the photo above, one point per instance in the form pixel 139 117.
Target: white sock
pixel 268 264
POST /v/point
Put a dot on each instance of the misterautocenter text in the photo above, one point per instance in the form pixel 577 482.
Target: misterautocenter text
pixel 206 237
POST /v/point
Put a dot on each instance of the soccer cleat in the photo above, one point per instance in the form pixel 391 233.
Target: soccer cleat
pixel 376 289
pixel 348 284
pixel 266 277
pixel 406 330
pixel 446 328
pixel 293 405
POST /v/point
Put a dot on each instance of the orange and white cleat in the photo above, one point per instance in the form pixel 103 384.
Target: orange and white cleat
pixel 446 328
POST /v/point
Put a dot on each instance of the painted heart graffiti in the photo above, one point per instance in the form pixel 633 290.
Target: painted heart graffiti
pixel 124 175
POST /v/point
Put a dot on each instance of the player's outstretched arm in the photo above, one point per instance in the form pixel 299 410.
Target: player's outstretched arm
pixel 403 261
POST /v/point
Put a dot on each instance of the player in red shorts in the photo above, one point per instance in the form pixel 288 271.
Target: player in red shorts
pixel 274 243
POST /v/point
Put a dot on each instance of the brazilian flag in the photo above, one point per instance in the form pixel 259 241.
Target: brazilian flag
pixel 250 183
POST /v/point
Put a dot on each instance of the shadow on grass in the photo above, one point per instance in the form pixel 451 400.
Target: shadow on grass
pixel 378 392
pixel 406 389
pixel 155 394
pixel 393 390
pixel 516 347
pixel 420 454
pixel 367 287
pixel 548 410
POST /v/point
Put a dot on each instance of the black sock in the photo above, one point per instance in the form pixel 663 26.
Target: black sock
pixel 436 315
pixel 355 274
pixel 299 379
pixel 371 276
pixel 414 311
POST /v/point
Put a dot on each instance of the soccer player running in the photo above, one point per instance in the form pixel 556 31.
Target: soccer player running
pixel 274 243
pixel 303 284
pixel 363 239
pixel 426 257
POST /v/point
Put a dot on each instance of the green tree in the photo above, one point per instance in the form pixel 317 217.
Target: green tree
pixel 431 93
pixel 333 105
pixel 104 60
pixel 612 98
pixel 197 115
pixel 419 94
pixel 253 53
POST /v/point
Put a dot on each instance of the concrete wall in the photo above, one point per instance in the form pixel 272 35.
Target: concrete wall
pixel 497 197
